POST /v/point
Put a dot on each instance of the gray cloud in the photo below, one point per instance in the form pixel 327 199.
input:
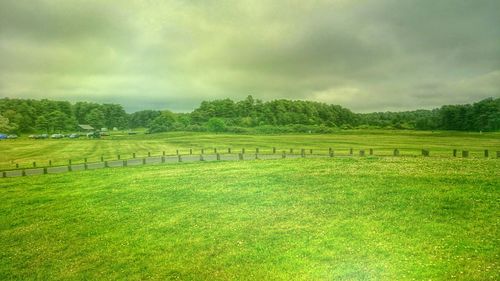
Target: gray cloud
pixel 365 55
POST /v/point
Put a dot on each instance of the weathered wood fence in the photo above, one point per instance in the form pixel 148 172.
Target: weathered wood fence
pixel 212 155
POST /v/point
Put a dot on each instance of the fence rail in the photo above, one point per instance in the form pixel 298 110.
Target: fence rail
pixel 218 155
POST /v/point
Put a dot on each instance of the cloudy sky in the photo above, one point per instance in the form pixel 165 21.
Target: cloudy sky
pixel 150 54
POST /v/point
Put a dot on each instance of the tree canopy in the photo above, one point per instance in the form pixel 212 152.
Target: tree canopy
pixel 22 116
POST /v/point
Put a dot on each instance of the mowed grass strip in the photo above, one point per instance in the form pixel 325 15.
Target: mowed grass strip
pixel 441 144
pixel 291 219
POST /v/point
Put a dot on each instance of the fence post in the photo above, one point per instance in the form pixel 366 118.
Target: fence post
pixel 256 155
pixel 310 151
pixel 498 154
pixel 149 154
pixel 163 158
pixel 454 153
pixel 240 156
pixel 486 153
pixel 23 173
pixel 85 167
pixel 371 151
pixel 4 174
pixel 257 150
pixel 229 150
pixel 215 150
pixel 179 158
pixel 283 155
pixel 243 151
pixel 45 170
pixel 303 153
pixel 124 163
pixel 329 150
pixel 70 169
pixel 190 151
pixel 291 150
pixel 50 162
pixel 106 164
pixel 351 151
pixel 34 164
pixel 17 165
pixel 332 153
pixel 465 153
pixel 274 150
pixel 201 157
pixel 425 152
pixel 69 162
pixel 396 152
pixel 177 152
pixel 202 151
pixel 218 156
pixel 119 157
pixel 361 153
pixel 102 158
pixel 133 155
pixel 144 161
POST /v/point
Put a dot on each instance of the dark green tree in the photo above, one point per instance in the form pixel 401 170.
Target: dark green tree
pixel 114 116
pixel 6 126
pixel 42 124
pixel 95 118
pixel 163 123
pixel 142 119
pixel 216 125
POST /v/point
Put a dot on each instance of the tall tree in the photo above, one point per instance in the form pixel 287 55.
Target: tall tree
pixel 43 124
pixel 58 121
pixel 6 126
pixel 114 116
pixel 95 118
pixel 143 118
pixel 163 123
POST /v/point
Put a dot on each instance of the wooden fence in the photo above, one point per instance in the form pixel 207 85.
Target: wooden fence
pixel 210 155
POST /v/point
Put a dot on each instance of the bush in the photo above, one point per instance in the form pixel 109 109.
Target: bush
pixel 162 123
pixel 196 128
pixel 238 130
pixel 216 125
pixel 269 129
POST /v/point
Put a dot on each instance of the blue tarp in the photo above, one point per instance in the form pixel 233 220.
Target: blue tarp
pixel 3 136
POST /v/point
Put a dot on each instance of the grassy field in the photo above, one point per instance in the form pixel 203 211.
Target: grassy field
pixel 25 151
pixel 293 219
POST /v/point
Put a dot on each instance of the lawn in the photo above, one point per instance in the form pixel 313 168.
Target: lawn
pixel 372 218
pixel 25 151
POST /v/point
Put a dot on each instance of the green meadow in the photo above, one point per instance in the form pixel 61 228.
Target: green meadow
pixel 25 151
pixel 341 218
pixel 294 219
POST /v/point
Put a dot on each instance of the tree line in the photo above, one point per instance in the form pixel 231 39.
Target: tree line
pixel 27 115
pixel 480 116
pixel 247 115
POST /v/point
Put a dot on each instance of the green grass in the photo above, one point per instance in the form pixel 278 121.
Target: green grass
pixel 25 151
pixel 292 219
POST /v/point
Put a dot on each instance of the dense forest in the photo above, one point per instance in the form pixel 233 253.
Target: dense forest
pixel 248 115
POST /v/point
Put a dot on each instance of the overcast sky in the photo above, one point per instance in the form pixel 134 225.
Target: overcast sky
pixel 365 55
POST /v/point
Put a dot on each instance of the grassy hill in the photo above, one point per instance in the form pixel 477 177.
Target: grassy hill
pixel 292 219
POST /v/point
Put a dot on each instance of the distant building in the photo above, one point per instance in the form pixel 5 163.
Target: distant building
pixel 85 127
